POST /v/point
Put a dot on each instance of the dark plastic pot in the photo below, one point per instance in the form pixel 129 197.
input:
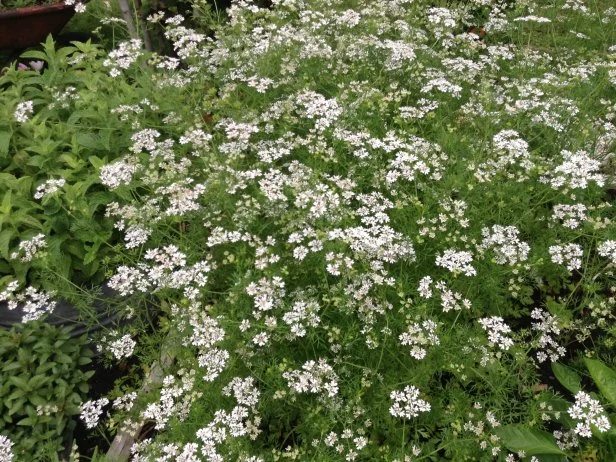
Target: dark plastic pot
pixel 30 25
pixel 64 314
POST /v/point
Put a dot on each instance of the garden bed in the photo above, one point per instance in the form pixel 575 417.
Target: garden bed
pixel 371 230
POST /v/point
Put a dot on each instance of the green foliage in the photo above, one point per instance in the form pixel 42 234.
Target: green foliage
pixel 69 138
pixel 43 383
pixel 568 377
pixel 297 206
pixel 532 441
pixel 605 379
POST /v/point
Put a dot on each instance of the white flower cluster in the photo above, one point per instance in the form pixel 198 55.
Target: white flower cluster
pixel 590 412
pixel 425 287
pixel 350 446
pixel 497 332
pixel 400 51
pixel 122 347
pixel 337 262
pixel 214 360
pixel 378 243
pixel 441 21
pixel 197 137
pixel 424 106
pixel 175 399
pixel 125 402
pixel 206 331
pixel 450 300
pixel 414 156
pixel 267 294
pixel 242 420
pixel 27 250
pixel 577 171
pixel 185 41
pixel 78 6
pixel 547 327
pixel 49 187
pixel 148 450
pixel 243 390
pixel 570 215
pixel 91 411
pixel 168 271
pixel 532 18
pixel 443 85
pixel 33 304
pixel 457 261
pixel 235 423
pixel 123 56
pixel 566 440
pixel 144 140
pixel 608 249
pixel 203 332
pixel 418 336
pixel 505 243
pixel 569 255
pixel 315 106
pixel 6 453
pixel 238 131
pixel 136 235
pixel 407 403
pixel 314 377
pixel 303 314
pixel 23 111
pixel 182 197
pixel 120 172
pixel 512 154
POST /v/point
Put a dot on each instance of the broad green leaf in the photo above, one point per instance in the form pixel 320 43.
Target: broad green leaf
pixel 567 377
pixel 532 441
pixel 105 137
pixel 19 382
pixel 37 381
pixel 5 141
pixel 37 400
pixel 97 162
pixel 29 421
pixel 83 114
pixel 71 160
pixel 17 406
pixel 19 218
pixel 7 179
pixel 5 207
pixel 611 440
pixel 24 186
pixel 11 367
pixel 5 240
pixel 16 394
pixel 604 377
pixel 90 141
pixel 34 54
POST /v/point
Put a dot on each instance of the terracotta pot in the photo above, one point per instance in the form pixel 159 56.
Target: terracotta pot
pixel 30 25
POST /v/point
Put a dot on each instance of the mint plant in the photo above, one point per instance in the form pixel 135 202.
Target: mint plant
pixel 43 386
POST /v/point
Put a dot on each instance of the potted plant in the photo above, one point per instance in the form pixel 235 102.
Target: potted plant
pixel 25 23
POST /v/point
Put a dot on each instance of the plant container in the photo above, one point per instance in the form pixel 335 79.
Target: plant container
pixel 30 25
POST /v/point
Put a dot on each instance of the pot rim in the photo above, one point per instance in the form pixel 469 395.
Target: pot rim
pixel 34 10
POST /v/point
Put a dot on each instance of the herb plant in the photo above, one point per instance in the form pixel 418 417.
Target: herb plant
pixel 43 384
pixel 374 230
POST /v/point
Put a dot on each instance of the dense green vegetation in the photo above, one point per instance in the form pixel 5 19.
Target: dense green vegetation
pixel 370 230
